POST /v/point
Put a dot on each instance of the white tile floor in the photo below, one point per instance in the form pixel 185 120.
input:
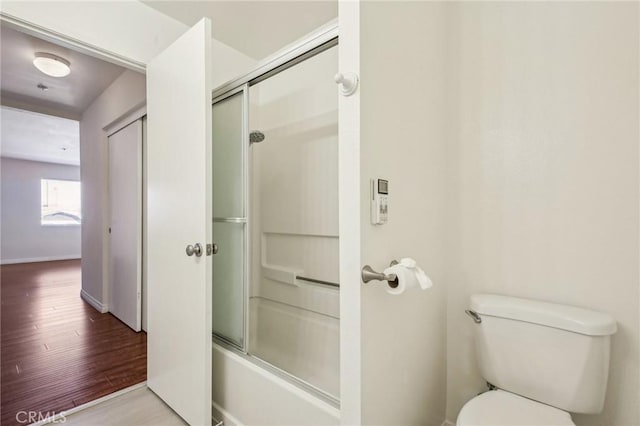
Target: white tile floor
pixel 140 407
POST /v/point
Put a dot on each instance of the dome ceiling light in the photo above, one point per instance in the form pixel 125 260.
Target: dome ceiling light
pixel 52 65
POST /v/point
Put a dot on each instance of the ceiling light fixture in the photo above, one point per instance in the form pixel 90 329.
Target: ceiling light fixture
pixel 52 65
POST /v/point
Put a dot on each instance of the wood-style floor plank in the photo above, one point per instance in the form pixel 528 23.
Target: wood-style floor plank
pixel 56 351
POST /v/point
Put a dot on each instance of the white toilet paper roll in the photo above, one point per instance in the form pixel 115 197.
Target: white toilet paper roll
pixel 406 279
pixel 409 276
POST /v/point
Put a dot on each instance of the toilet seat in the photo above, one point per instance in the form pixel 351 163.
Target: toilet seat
pixel 501 408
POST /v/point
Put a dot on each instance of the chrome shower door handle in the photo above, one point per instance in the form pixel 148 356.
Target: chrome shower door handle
pixel 194 249
pixel 212 249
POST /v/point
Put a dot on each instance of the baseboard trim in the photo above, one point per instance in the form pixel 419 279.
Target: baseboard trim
pixel 99 306
pixel 62 417
pixel 222 415
pixel 39 259
pixel 448 423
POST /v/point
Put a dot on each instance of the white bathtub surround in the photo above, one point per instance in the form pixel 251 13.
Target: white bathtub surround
pixel 247 394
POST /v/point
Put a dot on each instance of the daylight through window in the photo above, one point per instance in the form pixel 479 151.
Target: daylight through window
pixel 60 202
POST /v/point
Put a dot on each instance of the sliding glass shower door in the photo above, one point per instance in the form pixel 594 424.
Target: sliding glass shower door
pixel 294 289
pixel 276 290
pixel 229 218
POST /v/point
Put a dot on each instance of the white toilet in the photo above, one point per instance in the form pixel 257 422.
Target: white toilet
pixel 543 359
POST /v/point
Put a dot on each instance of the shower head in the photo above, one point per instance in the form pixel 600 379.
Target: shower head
pixel 256 136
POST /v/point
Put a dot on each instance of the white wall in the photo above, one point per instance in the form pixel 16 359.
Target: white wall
pixel 24 239
pixel 403 140
pixel 543 174
pixel 228 63
pixel 123 96
pixel 127 28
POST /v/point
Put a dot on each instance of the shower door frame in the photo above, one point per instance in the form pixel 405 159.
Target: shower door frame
pixel 244 89
pixel 324 38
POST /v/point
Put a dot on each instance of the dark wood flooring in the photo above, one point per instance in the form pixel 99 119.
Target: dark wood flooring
pixel 56 351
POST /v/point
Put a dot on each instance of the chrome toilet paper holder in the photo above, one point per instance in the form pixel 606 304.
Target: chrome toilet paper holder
pixel 368 274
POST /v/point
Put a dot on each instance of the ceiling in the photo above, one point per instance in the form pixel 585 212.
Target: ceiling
pixel 72 94
pixel 255 28
pixel 38 137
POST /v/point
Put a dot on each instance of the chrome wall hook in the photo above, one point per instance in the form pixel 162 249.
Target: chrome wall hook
pixel 368 274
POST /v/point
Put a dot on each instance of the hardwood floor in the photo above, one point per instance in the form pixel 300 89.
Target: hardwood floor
pixel 58 352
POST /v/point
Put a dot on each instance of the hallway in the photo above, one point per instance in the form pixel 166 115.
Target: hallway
pixel 57 351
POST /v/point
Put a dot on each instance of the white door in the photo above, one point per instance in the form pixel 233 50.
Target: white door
pixel 125 201
pixel 179 214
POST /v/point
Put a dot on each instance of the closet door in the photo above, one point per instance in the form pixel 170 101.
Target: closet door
pixel 125 229
pixel 179 219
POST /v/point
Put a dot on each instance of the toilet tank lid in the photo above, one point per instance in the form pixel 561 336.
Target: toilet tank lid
pixel 570 318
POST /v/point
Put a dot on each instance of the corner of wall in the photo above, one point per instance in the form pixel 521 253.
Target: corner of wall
pixel 234 63
pixel 95 303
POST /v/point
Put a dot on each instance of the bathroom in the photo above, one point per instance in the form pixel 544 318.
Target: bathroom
pixel 528 112
pixel 509 135
pixel 496 136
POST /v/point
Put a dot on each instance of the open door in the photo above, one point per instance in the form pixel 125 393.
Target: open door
pixel 180 215
pixel 125 229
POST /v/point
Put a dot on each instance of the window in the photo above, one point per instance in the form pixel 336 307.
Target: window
pixel 60 202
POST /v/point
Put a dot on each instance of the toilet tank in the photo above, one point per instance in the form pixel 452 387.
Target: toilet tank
pixel 555 354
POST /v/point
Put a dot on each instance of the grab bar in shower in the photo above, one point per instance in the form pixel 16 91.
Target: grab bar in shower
pixel 313 280
pixel 289 275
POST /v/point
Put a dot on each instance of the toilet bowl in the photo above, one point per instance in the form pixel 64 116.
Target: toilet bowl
pixel 546 360
pixel 501 408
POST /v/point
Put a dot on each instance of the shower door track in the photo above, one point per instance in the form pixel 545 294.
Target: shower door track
pixel 320 40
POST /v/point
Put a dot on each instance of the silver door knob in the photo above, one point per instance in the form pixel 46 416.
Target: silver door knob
pixel 212 249
pixel 194 249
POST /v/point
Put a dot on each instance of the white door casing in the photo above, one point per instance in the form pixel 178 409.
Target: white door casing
pixel 125 243
pixel 179 213
pixel 349 218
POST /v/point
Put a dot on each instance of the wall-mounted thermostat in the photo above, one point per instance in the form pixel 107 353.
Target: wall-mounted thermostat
pixel 379 201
